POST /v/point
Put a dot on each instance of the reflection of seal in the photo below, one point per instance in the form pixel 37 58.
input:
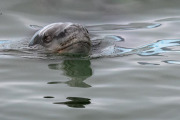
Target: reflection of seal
pixel 77 70
pixel 63 38
pixel 76 102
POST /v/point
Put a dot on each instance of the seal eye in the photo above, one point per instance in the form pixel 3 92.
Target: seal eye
pixel 47 39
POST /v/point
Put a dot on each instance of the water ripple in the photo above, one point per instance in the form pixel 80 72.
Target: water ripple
pixel 172 62
pixel 114 27
pixel 176 19
pixel 159 47
pixel 145 63
pixel 154 49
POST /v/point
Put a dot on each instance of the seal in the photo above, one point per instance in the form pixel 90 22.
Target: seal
pixel 64 38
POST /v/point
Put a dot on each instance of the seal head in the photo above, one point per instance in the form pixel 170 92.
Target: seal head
pixel 65 38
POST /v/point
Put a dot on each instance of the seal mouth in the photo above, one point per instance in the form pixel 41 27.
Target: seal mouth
pixel 80 47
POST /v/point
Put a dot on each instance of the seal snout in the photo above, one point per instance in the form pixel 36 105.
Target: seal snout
pixel 35 39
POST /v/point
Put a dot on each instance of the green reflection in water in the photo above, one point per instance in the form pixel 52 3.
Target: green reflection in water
pixel 76 102
pixel 77 70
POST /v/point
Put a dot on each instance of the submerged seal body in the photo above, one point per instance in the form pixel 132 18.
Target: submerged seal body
pixel 65 38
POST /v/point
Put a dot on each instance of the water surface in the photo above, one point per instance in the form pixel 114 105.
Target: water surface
pixel 137 78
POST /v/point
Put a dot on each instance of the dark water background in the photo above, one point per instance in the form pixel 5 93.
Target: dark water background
pixel 141 83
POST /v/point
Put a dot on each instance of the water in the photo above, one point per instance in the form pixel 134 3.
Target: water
pixel 135 79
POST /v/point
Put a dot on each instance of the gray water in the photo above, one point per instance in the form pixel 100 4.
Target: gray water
pixel 141 81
